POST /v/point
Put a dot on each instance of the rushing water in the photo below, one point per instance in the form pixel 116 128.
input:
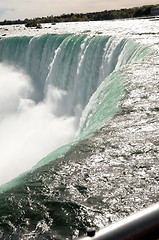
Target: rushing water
pixel 91 89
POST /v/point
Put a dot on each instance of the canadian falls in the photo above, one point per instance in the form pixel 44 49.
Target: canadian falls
pixel 78 126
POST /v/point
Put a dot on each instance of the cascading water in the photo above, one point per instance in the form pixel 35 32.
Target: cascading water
pixel 60 91
pixel 64 71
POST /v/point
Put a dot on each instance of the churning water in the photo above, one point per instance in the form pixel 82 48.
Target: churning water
pixel 89 90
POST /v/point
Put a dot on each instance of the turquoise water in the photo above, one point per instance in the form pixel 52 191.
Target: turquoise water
pixel 75 65
pixel 80 79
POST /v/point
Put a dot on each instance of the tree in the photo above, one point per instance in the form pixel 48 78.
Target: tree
pixel 33 23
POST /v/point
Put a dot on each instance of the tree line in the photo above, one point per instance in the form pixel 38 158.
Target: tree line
pixel 134 12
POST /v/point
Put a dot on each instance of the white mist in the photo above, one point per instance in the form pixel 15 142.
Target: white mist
pixel 28 130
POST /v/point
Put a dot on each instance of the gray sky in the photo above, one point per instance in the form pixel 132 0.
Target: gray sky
pixel 21 9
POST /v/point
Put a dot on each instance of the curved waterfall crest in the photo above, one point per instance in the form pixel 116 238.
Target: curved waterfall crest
pixel 78 78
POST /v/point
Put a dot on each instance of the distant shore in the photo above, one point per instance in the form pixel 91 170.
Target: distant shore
pixel 135 12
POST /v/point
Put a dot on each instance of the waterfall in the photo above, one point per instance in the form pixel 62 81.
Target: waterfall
pixel 69 87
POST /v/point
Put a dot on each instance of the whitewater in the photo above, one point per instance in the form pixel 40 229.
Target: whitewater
pixel 78 125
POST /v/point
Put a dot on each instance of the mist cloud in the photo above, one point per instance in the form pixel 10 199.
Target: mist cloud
pixel 28 131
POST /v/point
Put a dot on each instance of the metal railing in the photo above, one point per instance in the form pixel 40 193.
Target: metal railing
pixel 142 225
